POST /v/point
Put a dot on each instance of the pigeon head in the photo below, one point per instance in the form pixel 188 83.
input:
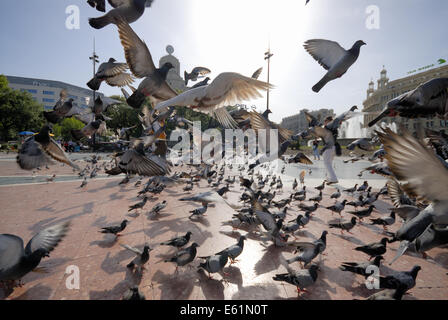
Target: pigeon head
pixel 359 44
pixel 112 60
pixel 125 221
pixel 243 238
pixel 415 271
pixel 148 3
pixel 377 260
pixel 194 245
pixel 384 241
pixel 353 108
pixel 353 220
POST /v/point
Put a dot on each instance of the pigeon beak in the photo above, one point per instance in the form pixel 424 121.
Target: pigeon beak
pixel 51 135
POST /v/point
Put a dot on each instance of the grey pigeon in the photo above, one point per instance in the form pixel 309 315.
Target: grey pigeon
pixel 361 214
pixel 87 131
pixel 344 225
pixel 158 207
pixel 130 10
pixel 113 73
pixel 140 62
pixel 404 279
pixel 307 252
pixel 185 256
pixel 199 211
pixel 115 229
pixel 235 250
pixel 195 74
pixel 388 294
pixel 361 267
pixel 40 150
pixel 16 261
pixel 142 256
pixel 100 5
pixel 214 263
pixel 201 83
pixel 333 58
pixel 337 207
pixel 363 144
pixel 302 279
pixel 61 109
pixel 178 242
pixel 374 249
pixel 384 221
pixel 428 99
pixel 133 294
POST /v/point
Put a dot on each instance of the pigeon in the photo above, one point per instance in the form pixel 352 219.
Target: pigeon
pixel 320 187
pixel 40 149
pixel 309 209
pixel 317 198
pixel 374 249
pixel 140 62
pixel 130 10
pixel 336 195
pixel 302 279
pixel 384 221
pixel 87 131
pixel 16 261
pixel 307 252
pixel 199 211
pixel 361 267
pixel 51 179
pixel 185 256
pixel 388 294
pixel 294 184
pixel 158 207
pixel 405 279
pixel 83 183
pixel 363 144
pixel 363 187
pixel 428 99
pixel 133 294
pixel 343 225
pixel 300 158
pixel 195 74
pixel 113 73
pixel 357 203
pixel 226 89
pixel 142 256
pixel 337 207
pixel 61 110
pixel 100 5
pixel 178 242
pixel 361 214
pixel 257 73
pixel 432 237
pixel 115 229
pixel 138 205
pixel 235 250
pixel 332 57
pixel 351 190
pixel 201 83
pixel 214 263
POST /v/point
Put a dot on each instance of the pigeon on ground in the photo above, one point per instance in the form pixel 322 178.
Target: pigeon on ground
pixel 40 149
pixel 337 207
pixel 333 58
pixel 195 74
pixel 384 221
pixel 405 279
pixel 302 279
pixel 374 249
pixel 307 252
pixel 16 261
pixel 361 214
pixel 336 195
pixel 388 294
pixel 157 208
pixel 235 250
pixel 113 73
pixel 361 267
pixel 214 263
pixel 142 256
pixel 133 294
pixel 317 198
pixel 138 205
pixel 427 100
pixel 226 89
pixel 351 190
pixel 185 256
pixel 199 211
pixel 130 10
pixel 178 242
pixel 115 229
pixel 140 62
pixel 344 225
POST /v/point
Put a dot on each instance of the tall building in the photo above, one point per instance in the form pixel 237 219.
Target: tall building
pixel 47 91
pixel 173 78
pixel 298 122
pixel 387 90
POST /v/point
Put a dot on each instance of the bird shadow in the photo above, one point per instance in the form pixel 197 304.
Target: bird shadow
pixel 174 286
pixel 349 238
pixel 270 260
pixel 38 292
pixel 118 290
pixel 211 288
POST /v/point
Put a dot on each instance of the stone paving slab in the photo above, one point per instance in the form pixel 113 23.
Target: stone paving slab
pixel 26 209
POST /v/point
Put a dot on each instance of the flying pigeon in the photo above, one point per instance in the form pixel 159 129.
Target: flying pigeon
pixel 332 57
pixel 196 73
pixel 40 149
pixel 16 261
pixel 226 89
pixel 87 131
pixel 113 73
pixel 140 62
pixel 428 99
pixel 61 109
pixel 100 5
pixel 130 10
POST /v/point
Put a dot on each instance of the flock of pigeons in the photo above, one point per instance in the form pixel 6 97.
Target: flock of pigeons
pixel 416 169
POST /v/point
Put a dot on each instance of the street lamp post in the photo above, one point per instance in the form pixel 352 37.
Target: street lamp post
pixel 267 56
pixel 95 60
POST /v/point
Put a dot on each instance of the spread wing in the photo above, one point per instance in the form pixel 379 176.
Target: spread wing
pixel 326 52
pixel 48 239
pixel 55 151
pixel 137 54
pixel 136 163
pixel 31 155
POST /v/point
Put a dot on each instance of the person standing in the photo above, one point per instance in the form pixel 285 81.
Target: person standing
pixel 328 156
pixel 316 150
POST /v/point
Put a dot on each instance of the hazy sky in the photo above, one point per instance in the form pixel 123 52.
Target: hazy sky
pixel 232 35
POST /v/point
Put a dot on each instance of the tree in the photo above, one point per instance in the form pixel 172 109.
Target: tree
pixel 19 112
pixel 123 116
pixel 64 128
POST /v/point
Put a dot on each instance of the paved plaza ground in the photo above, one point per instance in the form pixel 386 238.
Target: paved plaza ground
pixel 30 204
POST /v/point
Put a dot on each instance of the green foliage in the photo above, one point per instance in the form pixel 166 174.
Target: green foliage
pixel 123 116
pixel 19 112
pixel 64 128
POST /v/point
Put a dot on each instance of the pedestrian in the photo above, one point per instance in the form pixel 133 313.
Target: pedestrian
pixel 316 150
pixel 329 155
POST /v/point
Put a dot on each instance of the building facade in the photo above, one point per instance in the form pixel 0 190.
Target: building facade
pixel 47 92
pixel 387 90
pixel 298 122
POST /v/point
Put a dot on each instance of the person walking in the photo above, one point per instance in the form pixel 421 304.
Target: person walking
pixel 328 156
pixel 316 150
